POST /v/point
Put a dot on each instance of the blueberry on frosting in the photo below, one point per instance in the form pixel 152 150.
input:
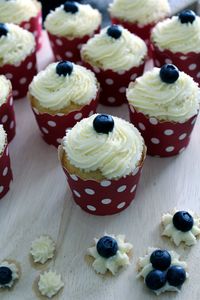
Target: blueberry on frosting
pixel 155 280
pixel 103 123
pixel 71 7
pixel 114 31
pixel 183 221
pixel 187 16
pixel 3 30
pixel 9 273
pixel 160 259
pixel 176 276
pixel 169 73
pixel 5 275
pixel 107 246
pixel 64 68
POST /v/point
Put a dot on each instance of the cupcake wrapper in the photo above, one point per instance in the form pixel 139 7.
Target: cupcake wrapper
pixel 114 85
pixel 34 25
pixel 7 117
pixel 103 198
pixel 20 75
pixel 163 139
pixel 5 173
pixel 53 127
pixel 188 63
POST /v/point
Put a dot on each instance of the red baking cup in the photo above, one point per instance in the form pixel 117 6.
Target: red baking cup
pixel 53 127
pixel 162 138
pixel 7 117
pixel 5 173
pixel 34 25
pixel 20 75
pixel 68 49
pixel 114 85
pixel 188 63
pixel 107 197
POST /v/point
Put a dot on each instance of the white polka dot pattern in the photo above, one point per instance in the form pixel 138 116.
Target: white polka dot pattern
pixel 5 173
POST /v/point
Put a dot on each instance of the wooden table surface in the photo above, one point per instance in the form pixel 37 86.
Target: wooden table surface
pixel 40 203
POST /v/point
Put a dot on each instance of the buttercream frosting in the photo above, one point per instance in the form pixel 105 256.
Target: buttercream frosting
pixel 115 154
pixel 15 273
pixel 16 45
pixel 2 139
pixel 42 249
pixel 101 265
pixel 120 54
pixel 140 11
pixel 84 22
pixel 176 102
pixel 5 87
pixel 50 283
pixel 56 92
pixel 175 36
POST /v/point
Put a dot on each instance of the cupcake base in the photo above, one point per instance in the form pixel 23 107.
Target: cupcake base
pixel 5 173
pixel 7 117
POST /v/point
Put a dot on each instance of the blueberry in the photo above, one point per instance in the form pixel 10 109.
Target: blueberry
pixel 169 73
pixel 155 280
pixel 160 259
pixel 103 123
pixel 176 276
pixel 5 275
pixel 114 31
pixel 183 221
pixel 64 68
pixel 71 7
pixel 187 16
pixel 3 30
pixel 107 246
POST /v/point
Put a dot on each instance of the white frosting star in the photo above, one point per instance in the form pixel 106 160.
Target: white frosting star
pixel 42 249
pixel 15 273
pixel 50 283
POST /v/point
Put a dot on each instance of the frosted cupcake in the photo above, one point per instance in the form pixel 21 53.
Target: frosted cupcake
pixel 5 169
pixel 7 116
pixel 25 13
pixel 69 26
pixel 177 41
pixel 164 104
pixel 102 157
pixel 116 56
pixel 61 95
pixel 17 57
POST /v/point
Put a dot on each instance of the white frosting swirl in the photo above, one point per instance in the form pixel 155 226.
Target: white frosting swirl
pixel 16 45
pixel 120 54
pixel 176 102
pixel 101 265
pixel 3 137
pixel 145 267
pixel 115 154
pixel 50 283
pixel 5 87
pixel 84 22
pixel 42 249
pixel 15 273
pixel 177 236
pixel 56 92
pixel 171 34
pixel 140 11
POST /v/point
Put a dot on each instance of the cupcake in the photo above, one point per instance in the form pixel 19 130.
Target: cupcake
pixel 116 56
pixel 17 57
pixel 70 26
pixel 5 169
pixel 164 104
pixel 102 157
pixel 61 95
pixel 25 13
pixel 177 41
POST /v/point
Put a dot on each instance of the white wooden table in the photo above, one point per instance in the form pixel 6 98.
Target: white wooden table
pixel 41 203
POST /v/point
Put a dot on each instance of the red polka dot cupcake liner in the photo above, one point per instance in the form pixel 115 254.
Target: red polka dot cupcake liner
pixel 162 138
pixel 53 127
pixel 20 75
pixel 188 63
pixel 7 117
pixel 107 197
pixel 5 173
pixel 34 25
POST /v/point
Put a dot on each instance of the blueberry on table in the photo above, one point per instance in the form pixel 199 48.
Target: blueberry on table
pixel 176 276
pixel 155 280
pixel 114 31
pixel 160 259
pixel 103 123
pixel 187 16
pixel 5 275
pixel 183 221
pixel 71 7
pixel 3 30
pixel 64 68
pixel 169 73
pixel 107 246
